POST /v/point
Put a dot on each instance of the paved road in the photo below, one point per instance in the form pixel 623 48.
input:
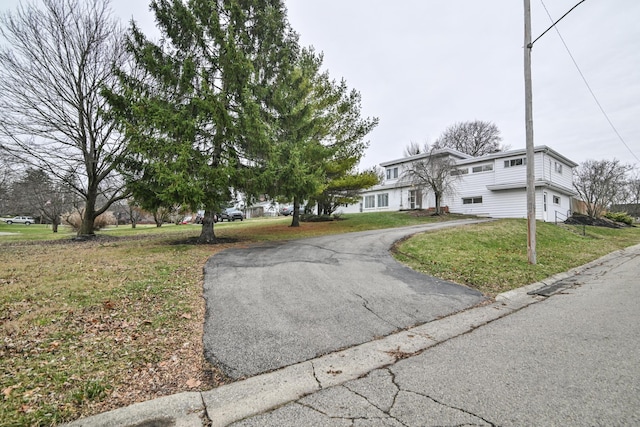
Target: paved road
pixel 570 360
pixel 277 304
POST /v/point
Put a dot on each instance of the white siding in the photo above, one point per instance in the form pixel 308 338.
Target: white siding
pixel 555 211
pixel 510 174
pixel 506 200
pixel 502 204
pixel 550 173
pixel 473 185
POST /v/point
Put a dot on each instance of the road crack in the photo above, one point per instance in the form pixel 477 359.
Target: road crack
pixel 206 419
pixel 455 408
pixel 365 304
pixel 387 409
pixel 313 368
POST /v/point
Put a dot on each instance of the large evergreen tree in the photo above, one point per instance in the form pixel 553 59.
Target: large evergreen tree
pixel 319 138
pixel 194 105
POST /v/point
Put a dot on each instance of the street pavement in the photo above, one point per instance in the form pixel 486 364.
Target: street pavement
pixel 562 352
pixel 273 305
pixel 572 360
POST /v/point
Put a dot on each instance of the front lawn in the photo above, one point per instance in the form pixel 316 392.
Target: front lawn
pixel 492 257
pixel 91 326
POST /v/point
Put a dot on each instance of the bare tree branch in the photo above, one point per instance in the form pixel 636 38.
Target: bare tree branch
pixel 476 138
pixel 432 173
pixel 56 62
pixel 600 183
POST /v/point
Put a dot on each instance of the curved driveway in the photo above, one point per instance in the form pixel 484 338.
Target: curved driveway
pixel 277 304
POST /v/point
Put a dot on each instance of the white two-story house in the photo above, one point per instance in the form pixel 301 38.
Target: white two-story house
pixel 493 185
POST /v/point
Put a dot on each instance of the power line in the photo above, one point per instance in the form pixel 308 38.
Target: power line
pixel 584 79
pixel 553 24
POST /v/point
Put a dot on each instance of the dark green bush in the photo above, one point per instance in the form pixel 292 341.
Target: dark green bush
pixel 315 218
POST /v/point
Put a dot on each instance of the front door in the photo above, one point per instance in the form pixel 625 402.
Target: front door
pixel 544 206
pixel 415 201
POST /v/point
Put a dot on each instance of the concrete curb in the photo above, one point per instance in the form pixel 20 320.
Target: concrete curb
pixel 179 410
pixel 236 401
pixel 243 399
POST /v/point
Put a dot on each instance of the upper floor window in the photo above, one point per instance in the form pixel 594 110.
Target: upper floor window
pixel 482 168
pixel 559 167
pixel 515 162
pixel 392 173
pixel 460 171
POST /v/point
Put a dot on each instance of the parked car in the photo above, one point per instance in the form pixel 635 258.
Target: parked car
pixel 26 220
pixel 231 214
pixel 288 210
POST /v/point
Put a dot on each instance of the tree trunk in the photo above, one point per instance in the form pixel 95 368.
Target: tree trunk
pixel 88 217
pixel 438 197
pixel 295 221
pixel 207 234
pixel 157 219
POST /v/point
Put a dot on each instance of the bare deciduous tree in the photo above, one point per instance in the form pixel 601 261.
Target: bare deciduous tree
pixel 53 67
pixel 599 184
pixel 7 177
pixel 412 149
pixel 633 190
pixel 35 193
pixel 432 173
pixel 476 138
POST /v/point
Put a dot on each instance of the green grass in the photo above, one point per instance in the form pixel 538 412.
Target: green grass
pixel 86 327
pixel 492 257
pixel 21 232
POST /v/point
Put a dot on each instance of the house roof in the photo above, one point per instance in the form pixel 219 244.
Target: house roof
pixel 441 152
pixel 463 158
pixel 538 183
pixel 520 152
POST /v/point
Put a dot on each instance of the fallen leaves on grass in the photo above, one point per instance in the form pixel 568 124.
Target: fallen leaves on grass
pixel 77 341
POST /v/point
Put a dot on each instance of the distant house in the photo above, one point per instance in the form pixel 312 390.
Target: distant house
pixel 493 185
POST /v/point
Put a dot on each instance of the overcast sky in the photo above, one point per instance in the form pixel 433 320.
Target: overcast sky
pixel 422 65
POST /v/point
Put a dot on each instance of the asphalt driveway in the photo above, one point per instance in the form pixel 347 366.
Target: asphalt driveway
pixel 273 305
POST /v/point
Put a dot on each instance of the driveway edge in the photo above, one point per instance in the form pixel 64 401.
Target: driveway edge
pixel 246 398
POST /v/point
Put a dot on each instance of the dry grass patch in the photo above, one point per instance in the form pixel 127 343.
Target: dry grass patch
pixel 87 327
pixel 91 326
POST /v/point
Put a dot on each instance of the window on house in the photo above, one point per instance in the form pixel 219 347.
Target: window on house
pixel 392 173
pixel 482 168
pixel 369 201
pixel 559 167
pixel 515 162
pixel 556 200
pixel 383 200
pixel 471 200
pixel 464 171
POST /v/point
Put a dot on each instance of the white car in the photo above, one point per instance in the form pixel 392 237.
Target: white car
pixel 26 220
pixel 231 214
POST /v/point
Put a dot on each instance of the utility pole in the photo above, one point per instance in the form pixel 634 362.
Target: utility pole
pixel 528 113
